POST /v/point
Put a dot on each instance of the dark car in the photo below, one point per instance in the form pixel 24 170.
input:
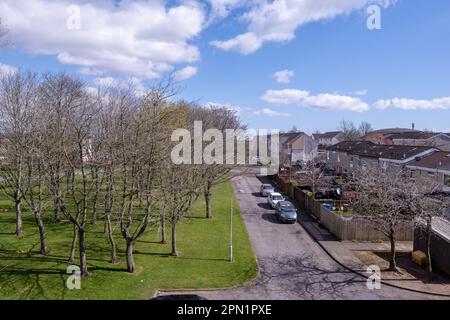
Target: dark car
pixel 286 212
pixel 185 297
pixel 330 193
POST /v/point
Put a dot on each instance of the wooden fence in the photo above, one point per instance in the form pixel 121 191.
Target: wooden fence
pixel 357 228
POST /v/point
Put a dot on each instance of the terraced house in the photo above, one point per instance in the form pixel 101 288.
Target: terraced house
pixel 435 165
pixel 347 156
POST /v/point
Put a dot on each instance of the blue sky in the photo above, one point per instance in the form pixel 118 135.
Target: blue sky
pixel 341 70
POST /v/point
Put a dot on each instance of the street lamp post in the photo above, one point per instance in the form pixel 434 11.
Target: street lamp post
pixel 231 233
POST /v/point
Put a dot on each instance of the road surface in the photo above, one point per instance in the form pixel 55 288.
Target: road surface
pixel 292 265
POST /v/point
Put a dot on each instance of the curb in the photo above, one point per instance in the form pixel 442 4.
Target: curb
pixel 362 274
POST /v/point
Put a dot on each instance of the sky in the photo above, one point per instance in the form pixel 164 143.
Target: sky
pixel 278 63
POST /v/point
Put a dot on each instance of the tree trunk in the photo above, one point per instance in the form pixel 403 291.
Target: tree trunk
pixel 114 259
pixel 163 229
pixel 73 246
pixel 82 252
pixel 429 234
pixel 392 260
pixel 43 245
pixel 57 199
pixel 174 239
pixel 208 204
pixel 96 194
pixel 57 210
pixel 130 258
pixel 19 222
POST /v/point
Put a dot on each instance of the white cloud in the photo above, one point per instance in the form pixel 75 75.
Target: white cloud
pixel 141 38
pixel 325 101
pixel 221 8
pixel 412 104
pixel 335 102
pixel 6 69
pixel 270 113
pixel 283 76
pixel 277 21
pixel 185 73
pixel 245 43
pixel 285 96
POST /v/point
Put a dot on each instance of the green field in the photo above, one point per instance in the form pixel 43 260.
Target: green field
pixel 203 261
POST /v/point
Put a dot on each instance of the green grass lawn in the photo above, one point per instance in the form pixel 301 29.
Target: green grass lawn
pixel 203 261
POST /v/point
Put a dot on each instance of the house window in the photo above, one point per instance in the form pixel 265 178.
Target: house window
pixel 447 180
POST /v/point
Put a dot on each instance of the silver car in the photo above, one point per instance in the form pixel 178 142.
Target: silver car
pixel 286 212
pixel 266 189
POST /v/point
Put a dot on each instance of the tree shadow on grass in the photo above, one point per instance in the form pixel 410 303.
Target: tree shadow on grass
pixel 29 281
pixel 196 217
pixel 201 259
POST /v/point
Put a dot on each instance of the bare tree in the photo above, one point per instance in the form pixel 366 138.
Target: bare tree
pixel 59 96
pixel 80 120
pixel 17 94
pixel 143 141
pixel 349 130
pixel 221 119
pixel 34 180
pixel 365 128
pixel 427 210
pixel 387 198
pixel 314 176
pixel 181 187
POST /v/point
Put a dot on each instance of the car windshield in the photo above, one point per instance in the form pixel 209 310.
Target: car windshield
pixel 267 187
pixel 287 207
pixel 277 198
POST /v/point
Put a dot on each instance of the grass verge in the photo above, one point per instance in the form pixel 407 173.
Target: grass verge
pixel 203 244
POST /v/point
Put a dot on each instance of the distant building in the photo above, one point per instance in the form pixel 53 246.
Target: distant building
pixel 296 147
pixel 435 166
pixel 328 138
pixel 410 137
pixel 347 156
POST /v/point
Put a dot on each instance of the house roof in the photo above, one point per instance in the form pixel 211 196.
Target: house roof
pixel 393 130
pixel 326 135
pixel 436 160
pixel 420 135
pixel 371 150
pixel 351 146
pixel 287 138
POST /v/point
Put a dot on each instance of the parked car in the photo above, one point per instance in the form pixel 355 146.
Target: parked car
pixel 266 189
pixel 330 193
pixel 274 198
pixel 286 212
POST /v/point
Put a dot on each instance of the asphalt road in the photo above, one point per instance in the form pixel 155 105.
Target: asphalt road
pixel 292 265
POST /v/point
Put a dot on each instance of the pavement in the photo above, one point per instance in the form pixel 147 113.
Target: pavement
pixel 293 266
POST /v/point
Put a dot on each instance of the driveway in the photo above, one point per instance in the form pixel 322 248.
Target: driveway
pixel 292 265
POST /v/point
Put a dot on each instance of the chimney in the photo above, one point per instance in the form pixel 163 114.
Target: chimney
pixel 413 126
